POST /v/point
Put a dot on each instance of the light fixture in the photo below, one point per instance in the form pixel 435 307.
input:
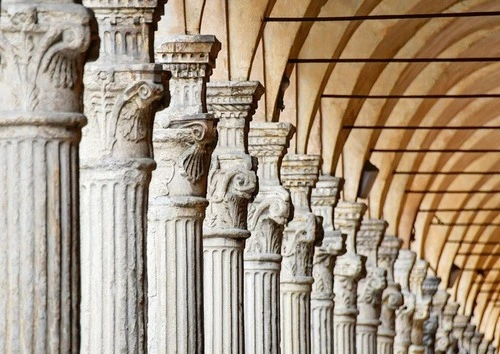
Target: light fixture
pixel 368 177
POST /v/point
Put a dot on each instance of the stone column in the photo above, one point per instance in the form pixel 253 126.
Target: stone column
pixel 445 341
pixel 324 199
pixel 459 325
pixel 349 268
pixel 421 287
pixel 432 324
pixel 231 184
pixel 392 299
pixel 299 174
pixel 370 288
pixel 267 216
pixel 404 315
pixel 470 329
pixel 183 136
pixel 121 88
pixel 475 342
pixel 42 46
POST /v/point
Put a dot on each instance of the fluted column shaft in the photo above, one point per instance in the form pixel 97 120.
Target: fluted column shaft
pixel 370 288
pixel 121 88
pixel 392 298
pixel 349 268
pixel 231 184
pixel 267 216
pixel 299 174
pixel 183 136
pixel 324 199
pixel 41 51
pixel 404 315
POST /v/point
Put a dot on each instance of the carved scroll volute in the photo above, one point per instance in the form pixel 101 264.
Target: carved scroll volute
pixel 41 51
pixel 270 210
pixel 299 174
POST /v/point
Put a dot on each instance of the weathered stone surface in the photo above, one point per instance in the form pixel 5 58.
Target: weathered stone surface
pixel 459 325
pixel 267 216
pixel 183 139
pixel 299 174
pixel 323 200
pixel 435 337
pixel 392 298
pixel 349 268
pixel 231 185
pixel 404 315
pixel 122 91
pixel 42 47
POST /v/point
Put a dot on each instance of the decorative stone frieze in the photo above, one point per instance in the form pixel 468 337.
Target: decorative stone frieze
pixel 459 325
pixel 323 200
pixel 392 299
pixel 183 139
pixel 42 47
pixel 267 216
pixel 470 329
pixel 404 315
pixel 349 268
pixel 445 341
pixel 475 342
pixel 299 174
pixel 122 88
pixel 371 287
pixel 231 185
pixel 424 288
pixel 431 325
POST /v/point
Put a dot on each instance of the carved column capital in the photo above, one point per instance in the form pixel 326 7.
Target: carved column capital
pixel 299 174
pixel 42 47
pixel 387 255
pixel 403 267
pixel 442 334
pixel 491 349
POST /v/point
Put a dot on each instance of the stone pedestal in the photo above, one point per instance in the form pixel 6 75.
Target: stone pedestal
pixel 404 315
pixel 475 342
pixel 299 174
pixel 41 49
pixel 121 88
pixel 183 139
pixel 459 325
pixel 324 199
pixel 267 216
pixel 349 268
pixel 392 298
pixel 231 185
pixel 370 288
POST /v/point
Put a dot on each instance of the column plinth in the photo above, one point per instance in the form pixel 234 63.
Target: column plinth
pixel 231 185
pixel 122 88
pixel 392 299
pixel 267 216
pixel 299 174
pixel 349 268
pixel 404 315
pixel 324 199
pixel 42 49
pixel 370 288
pixel 183 138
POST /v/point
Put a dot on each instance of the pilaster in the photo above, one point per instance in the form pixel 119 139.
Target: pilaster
pixel 349 268
pixel 183 139
pixel 323 200
pixel 42 47
pixel 267 216
pixel 299 174
pixel 231 185
pixel 371 287
pixel 392 299
pixel 404 315
pixel 122 88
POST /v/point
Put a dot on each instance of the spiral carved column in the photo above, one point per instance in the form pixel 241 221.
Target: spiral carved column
pixel 392 298
pixel 267 216
pixel 324 199
pixel 299 174
pixel 349 268
pixel 42 47
pixel 183 139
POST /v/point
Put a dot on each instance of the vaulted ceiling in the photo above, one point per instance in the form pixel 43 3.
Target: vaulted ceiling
pixel 411 86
